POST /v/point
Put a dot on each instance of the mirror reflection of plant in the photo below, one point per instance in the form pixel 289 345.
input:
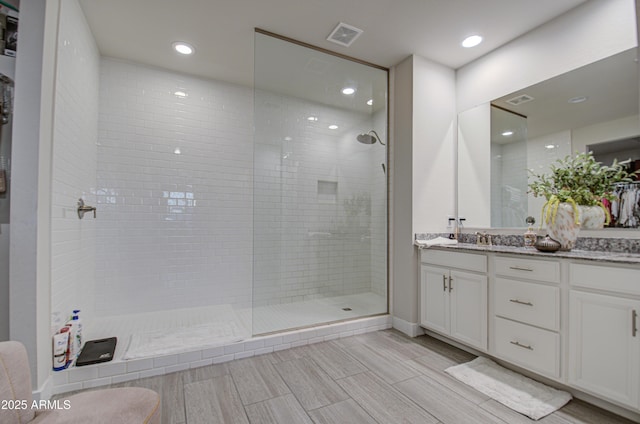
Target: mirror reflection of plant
pixel 578 180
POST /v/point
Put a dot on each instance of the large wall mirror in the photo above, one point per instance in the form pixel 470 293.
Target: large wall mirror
pixel 592 108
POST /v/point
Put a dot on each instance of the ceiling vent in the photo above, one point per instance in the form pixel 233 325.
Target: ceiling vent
pixel 518 100
pixel 344 34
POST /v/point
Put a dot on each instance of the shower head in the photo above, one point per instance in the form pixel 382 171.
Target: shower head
pixel 369 138
pixel 366 138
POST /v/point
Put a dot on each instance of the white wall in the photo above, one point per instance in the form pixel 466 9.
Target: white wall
pixel 595 30
pixel 434 153
pixel 177 231
pixel 475 165
pixel 74 165
pixel 424 168
pixel 404 268
pixel 31 156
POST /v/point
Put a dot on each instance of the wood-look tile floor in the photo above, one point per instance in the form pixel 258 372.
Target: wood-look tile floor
pixel 381 377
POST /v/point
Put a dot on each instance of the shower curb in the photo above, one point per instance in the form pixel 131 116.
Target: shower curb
pixel 120 371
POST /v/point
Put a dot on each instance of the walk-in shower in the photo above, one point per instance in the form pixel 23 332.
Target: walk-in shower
pixel 223 211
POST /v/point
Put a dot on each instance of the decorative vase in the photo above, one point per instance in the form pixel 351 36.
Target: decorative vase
pixel 547 244
pixel 564 229
pixel 591 217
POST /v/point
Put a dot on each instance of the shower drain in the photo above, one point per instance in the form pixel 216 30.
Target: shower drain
pixel 346 309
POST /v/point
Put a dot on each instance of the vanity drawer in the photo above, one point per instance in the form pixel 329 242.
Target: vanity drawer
pixel 530 347
pixel 547 270
pixel 610 278
pixel 530 303
pixel 468 261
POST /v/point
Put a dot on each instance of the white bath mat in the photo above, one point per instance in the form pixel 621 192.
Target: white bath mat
pixel 511 389
pixel 183 339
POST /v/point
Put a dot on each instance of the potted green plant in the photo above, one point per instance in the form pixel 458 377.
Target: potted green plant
pixel 574 190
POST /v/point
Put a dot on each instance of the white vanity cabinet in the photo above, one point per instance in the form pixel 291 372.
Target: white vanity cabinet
pixel 526 313
pixel 604 336
pixel 453 292
pixel 568 316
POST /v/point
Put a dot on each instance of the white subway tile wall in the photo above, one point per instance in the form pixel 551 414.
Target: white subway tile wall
pixel 74 164
pixel 320 202
pixel 174 191
pixel 177 229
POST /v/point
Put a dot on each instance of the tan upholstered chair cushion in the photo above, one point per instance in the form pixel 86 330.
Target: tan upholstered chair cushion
pixel 129 405
pixel 15 384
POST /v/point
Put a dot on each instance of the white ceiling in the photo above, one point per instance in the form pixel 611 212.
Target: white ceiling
pixel 222 31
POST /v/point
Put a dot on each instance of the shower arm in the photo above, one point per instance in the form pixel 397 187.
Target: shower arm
pixel 377 136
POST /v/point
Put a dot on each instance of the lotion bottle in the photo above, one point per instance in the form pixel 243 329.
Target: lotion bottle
pixel 61 349
pixel 77 336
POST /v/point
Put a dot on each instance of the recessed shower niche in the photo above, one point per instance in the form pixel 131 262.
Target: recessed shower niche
pixel 327 191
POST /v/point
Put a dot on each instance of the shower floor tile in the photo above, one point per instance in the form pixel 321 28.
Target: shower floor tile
pixel 244 322
pixel 268 319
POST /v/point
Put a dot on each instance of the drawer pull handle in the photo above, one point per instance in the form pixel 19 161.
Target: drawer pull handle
pixel 520 302
pixel 444 283
pixel 521 345
pixel 634 323
pixel 520 268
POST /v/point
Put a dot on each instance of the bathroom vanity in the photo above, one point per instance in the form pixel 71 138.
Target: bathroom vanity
pixel 571 317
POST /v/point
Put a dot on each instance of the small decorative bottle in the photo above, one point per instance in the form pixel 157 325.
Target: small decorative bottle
pixel 530 236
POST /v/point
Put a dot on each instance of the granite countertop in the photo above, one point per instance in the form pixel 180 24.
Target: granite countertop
pixel 590 255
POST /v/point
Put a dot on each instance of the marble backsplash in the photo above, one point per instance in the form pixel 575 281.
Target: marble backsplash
pixel 621 245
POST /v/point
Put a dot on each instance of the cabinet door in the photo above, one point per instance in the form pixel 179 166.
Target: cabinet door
pixel 434 305
pixel 604 349
pixel 468 299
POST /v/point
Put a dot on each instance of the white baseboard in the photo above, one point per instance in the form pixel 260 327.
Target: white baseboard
pixel 411 329
pixel 45 391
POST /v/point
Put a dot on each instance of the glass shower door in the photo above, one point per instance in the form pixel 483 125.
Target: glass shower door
pixel 320 187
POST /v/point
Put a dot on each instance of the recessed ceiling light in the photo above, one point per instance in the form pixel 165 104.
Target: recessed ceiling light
pixel 312 118
pixel 177 151
pixel 348 91
pixel 507 133
pixel 471 41
pixel 550 146
pixel 370 102
pixel 180 94
pixel 333 127
pixel 578 99
pixel 287 138
pixel 182 47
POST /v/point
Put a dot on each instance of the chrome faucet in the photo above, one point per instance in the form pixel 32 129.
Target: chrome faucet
pixel 483 239
pixel 82 209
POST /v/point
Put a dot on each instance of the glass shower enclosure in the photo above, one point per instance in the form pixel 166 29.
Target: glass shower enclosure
pixel 320 187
